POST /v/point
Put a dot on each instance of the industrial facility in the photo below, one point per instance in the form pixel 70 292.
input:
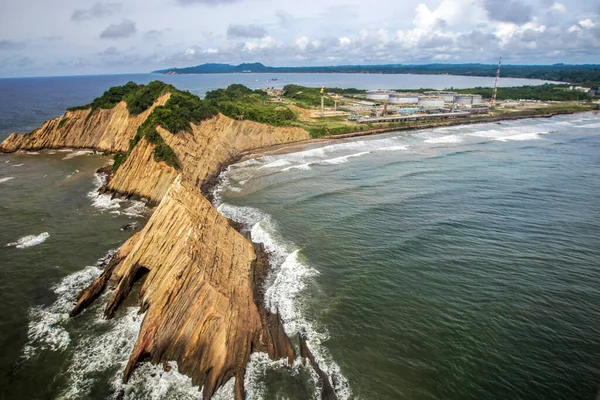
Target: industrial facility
pixel 432 99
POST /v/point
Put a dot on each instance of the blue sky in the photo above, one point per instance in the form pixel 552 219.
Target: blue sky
pixel 64 37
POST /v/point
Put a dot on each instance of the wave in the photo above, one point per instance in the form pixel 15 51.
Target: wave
pixel 103 201
pixel 6 179
pixel 275 163
pixel 29 241
pixel 589 126
pixel 287 279
pixel 521 137
pixel 77 154
pixel 343 159
pixel 18 165
pixel 46 328
pixel 302 167
pixel 445 139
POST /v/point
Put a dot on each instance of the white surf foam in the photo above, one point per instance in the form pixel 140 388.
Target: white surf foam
pixel 395 148
pixel 46 328
pixel 29 240
pixel 589 126
pixel 18 165
pixel 302 167
pixel 445 139
pixel 288 278
pixel 258 366
pixel 105 202
pixel 275 163
pixel 520 137
pixel 6 179
pixel 77 154
pixel 343 159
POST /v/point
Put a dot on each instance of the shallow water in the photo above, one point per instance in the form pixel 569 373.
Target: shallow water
pixel 454 263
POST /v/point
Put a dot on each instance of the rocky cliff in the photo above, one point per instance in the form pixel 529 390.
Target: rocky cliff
pixel 202 291
pixel 103 130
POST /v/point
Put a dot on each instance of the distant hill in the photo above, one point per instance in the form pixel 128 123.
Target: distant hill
pixel 587 74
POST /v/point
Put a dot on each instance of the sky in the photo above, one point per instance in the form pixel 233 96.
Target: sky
pixel 74 37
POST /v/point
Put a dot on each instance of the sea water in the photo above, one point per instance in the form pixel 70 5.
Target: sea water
pixel 448 263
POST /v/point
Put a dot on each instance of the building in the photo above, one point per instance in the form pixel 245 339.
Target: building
pixel 431 102
pixel 468 99
pixel 380 95
pixel 447 96
pixel 404 98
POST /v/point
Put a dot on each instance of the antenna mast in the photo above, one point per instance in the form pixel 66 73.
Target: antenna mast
pixel 496 82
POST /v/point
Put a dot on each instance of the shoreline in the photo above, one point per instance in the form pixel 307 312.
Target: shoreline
pixel 305 144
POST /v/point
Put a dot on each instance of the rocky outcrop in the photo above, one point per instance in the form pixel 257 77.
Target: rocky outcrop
pixel 200 153
pixel 107 130
pixel 202 289
pixel 198 293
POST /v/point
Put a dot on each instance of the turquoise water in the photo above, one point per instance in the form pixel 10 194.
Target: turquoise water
pixel 455 263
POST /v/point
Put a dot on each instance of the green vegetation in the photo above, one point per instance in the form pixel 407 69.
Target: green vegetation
pixel 138 97
pixel 184 108
pixel 546 92
pixel 587 75
pixel 305 97
pixel 142 98
pixel 240 102
pixel 62 122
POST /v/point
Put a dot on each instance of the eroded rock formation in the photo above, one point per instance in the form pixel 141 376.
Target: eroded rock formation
pixel 104 130
pixel 202 291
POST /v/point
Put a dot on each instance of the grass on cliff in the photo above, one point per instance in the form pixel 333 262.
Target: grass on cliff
pixel 183 109
pixel 139 98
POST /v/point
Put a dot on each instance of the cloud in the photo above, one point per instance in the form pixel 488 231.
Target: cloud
pixel 10 45
pixel 110 51
pixel 207 2
pixel 514 11
pixel 97 10
pixel 246 31
pixel 119 31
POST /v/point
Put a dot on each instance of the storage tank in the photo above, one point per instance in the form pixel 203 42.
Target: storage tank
pixel 431 102
pixel 381 95
pixel 468 99
pixel 404 98
pixel 447 96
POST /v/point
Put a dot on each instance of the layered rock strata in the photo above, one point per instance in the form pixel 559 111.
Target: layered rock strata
pixel 107 130
pixel 202 288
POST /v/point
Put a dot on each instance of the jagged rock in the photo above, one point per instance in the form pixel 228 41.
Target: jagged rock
pixel 202 292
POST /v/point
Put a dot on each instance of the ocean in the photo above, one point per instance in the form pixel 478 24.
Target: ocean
pixel 448 263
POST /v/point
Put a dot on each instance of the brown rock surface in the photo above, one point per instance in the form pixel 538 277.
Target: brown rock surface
pixel 105 130
pixel 202 291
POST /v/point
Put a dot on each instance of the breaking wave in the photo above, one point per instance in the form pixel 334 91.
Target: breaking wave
pixel 445 139
pixel 77 154
pixel 46 329
pixel 6 178
pixel 105 202
pixel 288 277
pixel 29 240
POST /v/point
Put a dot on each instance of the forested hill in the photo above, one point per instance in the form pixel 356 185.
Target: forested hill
pixel 588 74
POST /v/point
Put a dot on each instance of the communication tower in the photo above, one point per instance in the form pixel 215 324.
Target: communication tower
pixel 496 82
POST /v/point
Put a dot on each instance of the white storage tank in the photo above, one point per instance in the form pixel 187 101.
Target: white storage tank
pixel 468 99
pixel 381 95
pixel 404 98
pixel 431 102
pixel 447 96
